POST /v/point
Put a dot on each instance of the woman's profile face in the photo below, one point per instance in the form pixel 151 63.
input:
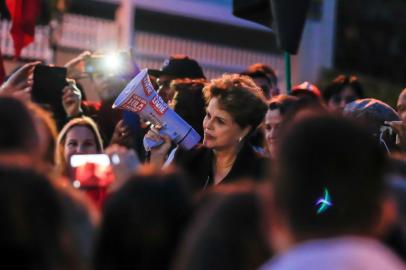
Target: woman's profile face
pixel 79 140
pixel 273 120
pixel 220 129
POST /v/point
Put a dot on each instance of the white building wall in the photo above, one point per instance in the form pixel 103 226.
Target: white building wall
pixel 152 49
pixel 316 50
pixel 87 33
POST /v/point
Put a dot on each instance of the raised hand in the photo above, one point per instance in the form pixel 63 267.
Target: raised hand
pixel 71 99
pixel 20 82
pixel 158 153
pixel 125 162
pixel 400 128
pixel 76 66
pixel 122 135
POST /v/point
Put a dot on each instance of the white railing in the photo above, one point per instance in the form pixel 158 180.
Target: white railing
pixel 39 49
pixel 153 49
pixel 77 32
pixel 88 33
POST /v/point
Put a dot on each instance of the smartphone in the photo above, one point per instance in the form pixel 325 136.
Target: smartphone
pixel 119 63
pixel 48 85
pixel 94 63
pixel 93 171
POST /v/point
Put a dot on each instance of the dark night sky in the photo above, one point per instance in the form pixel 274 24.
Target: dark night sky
pixel 371 38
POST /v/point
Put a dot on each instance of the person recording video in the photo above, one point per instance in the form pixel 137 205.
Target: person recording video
pixel 109 74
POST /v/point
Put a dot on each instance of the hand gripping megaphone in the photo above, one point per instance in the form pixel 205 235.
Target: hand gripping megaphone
pixel 139 96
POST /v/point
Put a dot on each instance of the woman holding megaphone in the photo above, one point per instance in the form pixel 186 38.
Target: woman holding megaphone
pixel 235 108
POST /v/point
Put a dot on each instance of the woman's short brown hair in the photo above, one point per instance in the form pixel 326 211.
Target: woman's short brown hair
pixel 240 97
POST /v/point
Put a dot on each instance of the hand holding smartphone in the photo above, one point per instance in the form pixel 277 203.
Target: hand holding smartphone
pixel 93 174
pixel 91 171
pixel 100 171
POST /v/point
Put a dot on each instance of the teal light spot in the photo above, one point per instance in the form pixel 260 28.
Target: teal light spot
pixel 324 202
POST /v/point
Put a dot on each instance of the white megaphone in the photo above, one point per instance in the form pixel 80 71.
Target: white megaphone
pixel 140 96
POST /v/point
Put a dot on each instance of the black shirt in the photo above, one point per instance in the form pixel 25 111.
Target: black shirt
pixel 198 164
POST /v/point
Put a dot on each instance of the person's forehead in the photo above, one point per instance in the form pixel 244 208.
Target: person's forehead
pixel 215 107
pixel 274 112
pixel 261 80
pixel 80 131
pixel 402 98
pixel 348 91
pixel 164 78
pixel 273 115
pixel 213 104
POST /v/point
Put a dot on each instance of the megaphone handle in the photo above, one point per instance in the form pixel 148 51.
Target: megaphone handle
pixel 184 137
pixel 149 144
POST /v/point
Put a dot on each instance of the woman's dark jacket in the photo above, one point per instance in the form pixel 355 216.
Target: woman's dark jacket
pixel 198 164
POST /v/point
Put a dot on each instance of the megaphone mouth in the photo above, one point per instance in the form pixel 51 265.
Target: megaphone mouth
pixel 130 88
pixel 139 96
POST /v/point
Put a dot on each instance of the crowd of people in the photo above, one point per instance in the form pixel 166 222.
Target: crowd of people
pixel 313 179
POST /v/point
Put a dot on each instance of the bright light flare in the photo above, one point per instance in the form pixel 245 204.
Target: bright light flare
pixel 112 62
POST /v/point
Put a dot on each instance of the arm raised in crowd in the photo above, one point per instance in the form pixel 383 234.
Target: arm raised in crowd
pixel 122 135
pixel 159 153
pixel 71 99
pixel 400 128
pixel 19 84
pixel 125 162
pixel 75 66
